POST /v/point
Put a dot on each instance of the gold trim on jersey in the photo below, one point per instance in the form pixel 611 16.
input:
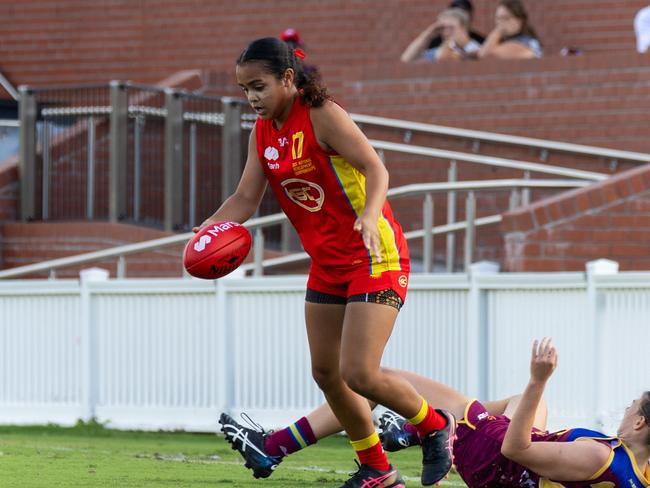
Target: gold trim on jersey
pixel 635 467
pixel 353 185
pixel 464 419
pixel 607 464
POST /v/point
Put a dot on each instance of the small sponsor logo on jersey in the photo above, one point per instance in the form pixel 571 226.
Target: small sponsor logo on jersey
pixel 271 153
pixel 403 281
pixel 203 241
pixel 283 141
pixel 302 166
pixel 305 194
pixel 273 165
pixel 482 415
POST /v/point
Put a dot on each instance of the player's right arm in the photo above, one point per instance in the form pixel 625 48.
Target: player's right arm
pixel 242 204
pixel 560 461
pixel 415 49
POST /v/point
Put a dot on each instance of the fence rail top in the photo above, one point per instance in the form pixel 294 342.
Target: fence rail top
pixel 9 123
pixel 502 138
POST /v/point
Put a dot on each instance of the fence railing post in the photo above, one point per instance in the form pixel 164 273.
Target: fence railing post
pixel 138 129
pixel 90 162
pixel 427 227
pixel 27 154
pixel 173 161
pixel 192 177
pixel 45 176
pixel 90 366
pixel 470 217
pixel 525 193
pixel 117 203
pixel 231 155
pixel 478 374
pixel 225 341
pixel 258 252
pixel 451 217
pixel 596 305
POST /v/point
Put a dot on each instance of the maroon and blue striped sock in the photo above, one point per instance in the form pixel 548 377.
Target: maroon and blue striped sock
pixel 294 438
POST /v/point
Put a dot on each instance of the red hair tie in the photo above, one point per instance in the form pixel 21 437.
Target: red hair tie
pixel 299 53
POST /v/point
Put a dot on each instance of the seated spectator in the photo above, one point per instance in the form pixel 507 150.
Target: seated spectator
pixel 456 43
pixel 467 6
pixel 642 29
pixel 513 37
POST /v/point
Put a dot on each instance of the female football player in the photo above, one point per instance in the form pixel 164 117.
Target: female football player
pixel 332 186
pixel 504 443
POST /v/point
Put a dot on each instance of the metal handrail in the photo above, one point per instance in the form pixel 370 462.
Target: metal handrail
pixel 445 186
pixel 274 219
pixel 501 138
pixel 9 88
pixel 9 123
pixel 488 160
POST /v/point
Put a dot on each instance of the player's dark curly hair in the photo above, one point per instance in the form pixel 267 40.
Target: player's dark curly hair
pixel 276 56
pixel 644 410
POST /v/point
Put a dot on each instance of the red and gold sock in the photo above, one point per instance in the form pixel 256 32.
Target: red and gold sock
pixel 427 420
pixel 371 453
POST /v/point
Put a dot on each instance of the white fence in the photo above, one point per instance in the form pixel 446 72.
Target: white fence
pixel 174 353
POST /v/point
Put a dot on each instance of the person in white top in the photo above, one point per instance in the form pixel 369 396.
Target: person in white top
pixel 642 29
pixel 452 26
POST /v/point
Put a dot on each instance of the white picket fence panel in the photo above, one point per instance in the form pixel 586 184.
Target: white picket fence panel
pixel 173 353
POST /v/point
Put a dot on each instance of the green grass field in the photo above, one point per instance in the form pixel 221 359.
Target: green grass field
pixel 91 456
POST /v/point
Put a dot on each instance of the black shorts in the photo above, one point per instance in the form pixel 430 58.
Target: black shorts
pixel 384 297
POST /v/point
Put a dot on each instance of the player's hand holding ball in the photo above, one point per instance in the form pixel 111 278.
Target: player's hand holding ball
pixel 216 249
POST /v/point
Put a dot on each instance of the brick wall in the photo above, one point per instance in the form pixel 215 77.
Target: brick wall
pixel 610 219
pixel 74 41
pixel 599 100
pixel 24 244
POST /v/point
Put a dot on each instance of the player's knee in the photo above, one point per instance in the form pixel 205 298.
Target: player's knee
pixel 360 380
pixel 325 378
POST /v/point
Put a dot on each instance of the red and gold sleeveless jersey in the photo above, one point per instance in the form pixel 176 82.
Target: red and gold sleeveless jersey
pixel 322 195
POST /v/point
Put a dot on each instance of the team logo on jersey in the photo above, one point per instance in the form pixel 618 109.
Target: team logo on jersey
pixel 403 281
pixel 283 141
pixel 271 153
pixel 305 194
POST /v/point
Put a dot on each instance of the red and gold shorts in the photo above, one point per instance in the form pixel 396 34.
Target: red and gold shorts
pixel 388 288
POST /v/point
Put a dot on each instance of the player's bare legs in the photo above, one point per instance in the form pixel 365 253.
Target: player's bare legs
pixel 325 331
pixel 437 394
pixel 324 422
pixel 366 330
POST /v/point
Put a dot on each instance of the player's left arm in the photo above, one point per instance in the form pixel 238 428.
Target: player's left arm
pixel 334 129
pixel 561 461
